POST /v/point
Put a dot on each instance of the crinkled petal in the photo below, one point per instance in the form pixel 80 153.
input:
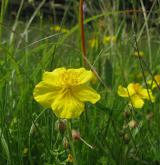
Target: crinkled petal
pixel 132 88
pixel 45 94
pixel 137 102
pixel 122 91
pixel 85 93
pixel 54 78
pixel 82 75
pixel 66 106
pixel 146 94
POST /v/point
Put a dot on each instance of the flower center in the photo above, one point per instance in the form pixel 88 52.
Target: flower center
pixel 69 80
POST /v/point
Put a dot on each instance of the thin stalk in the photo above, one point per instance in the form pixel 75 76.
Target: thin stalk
pixel 71 143
pixel 141 66
pixel 16 22
pixel 81 13
pixel 3 8
pixel 91 147
pixel 29 22
pixel 148 35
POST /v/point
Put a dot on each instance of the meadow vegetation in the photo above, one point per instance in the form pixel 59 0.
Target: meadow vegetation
pixel 122 51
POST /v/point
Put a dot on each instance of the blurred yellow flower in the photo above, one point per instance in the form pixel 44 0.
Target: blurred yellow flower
pixel 58 28
pixel 94 78
pixel 25 151
pixel 66 91
pixel 93 43
pixel 108 39
pixel 139 54
pixel 136 93
pixel 70 158
pixel 153 83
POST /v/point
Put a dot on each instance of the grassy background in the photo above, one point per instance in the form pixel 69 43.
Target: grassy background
pixel 28 48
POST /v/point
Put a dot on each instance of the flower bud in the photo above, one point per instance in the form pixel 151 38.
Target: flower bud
pixel 33 128
pixel 65 143
pixel 25 151
pixel 75 135
pixel 70 158
pixel 132 124
pixel 60 125
pixel 126 138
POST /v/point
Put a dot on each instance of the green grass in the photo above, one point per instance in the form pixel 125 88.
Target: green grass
pixel 27 130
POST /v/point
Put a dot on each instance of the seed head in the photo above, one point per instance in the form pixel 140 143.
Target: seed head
pixel 75 135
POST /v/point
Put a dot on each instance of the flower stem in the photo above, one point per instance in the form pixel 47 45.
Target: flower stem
pixel 91 147
pixel 81 13
pixel 69 130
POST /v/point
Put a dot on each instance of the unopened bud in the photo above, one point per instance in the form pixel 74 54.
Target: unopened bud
pixel 25 151
pixel 132 124
pixel 75 135
pixel 60 125
pixel 33 128
pixel 65 143
pixel 70 158
pixel 126 138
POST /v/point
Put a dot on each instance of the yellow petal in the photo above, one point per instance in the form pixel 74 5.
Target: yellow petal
pixel 146 94
pixel 122 91
pixel 45 94
pixel 132 88
pixel 139 54
pixel 153 83
pixel 82 75
pixel 137 102
pixel 66 106
pixel 56 28
pixel 54 78
pixel 157 79
pixel 85 93
pixel 93 43
pixel 106 39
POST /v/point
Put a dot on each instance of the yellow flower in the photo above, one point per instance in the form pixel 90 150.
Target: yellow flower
pixel 66 91
pixel 64 30
pixel 139 54
pixel 70 158
pixel 57 28
pixel 136 93
pixel 108 39
pixel 93 43
pixel 153 83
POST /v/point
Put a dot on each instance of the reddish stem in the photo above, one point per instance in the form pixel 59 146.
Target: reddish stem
pixel 81 13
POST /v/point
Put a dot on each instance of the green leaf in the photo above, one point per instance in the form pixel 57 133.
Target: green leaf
pixel 107 72
pixel 4 146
